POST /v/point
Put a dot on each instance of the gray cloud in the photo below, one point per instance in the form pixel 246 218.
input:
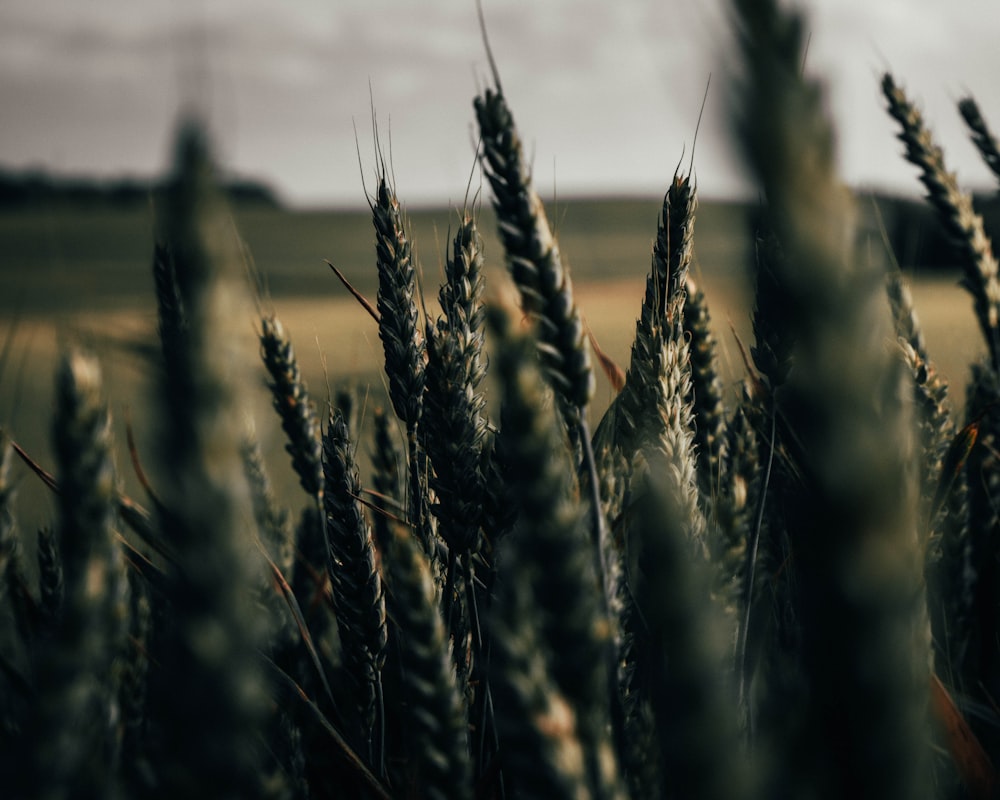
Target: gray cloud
pixel 607 95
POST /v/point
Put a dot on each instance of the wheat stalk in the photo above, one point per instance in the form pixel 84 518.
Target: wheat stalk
pixel 864 629
pixel 211 728
pixel 73 744
pixel 556 549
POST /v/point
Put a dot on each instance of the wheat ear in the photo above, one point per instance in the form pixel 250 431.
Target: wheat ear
pixel 533 254
pixel 291 400
pixel 944 522
pixel 706 393
pixel 556 549
pixel 403 345
pixel 982 137
pixel 634 421
pixel 134 684
pixel 954 207
pixel 454 407
pixel 537 727
pixel 210 729
pixel 849 434
pixel 273 521
pixel 386 476
pixel 438 739
pixel 51 583
pixel 357 587
pixel 983 479
pixel 72 739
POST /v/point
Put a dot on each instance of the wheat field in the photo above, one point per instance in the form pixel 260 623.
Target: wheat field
pixel 710 514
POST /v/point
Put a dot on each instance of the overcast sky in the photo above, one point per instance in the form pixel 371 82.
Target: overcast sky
pixel 606 94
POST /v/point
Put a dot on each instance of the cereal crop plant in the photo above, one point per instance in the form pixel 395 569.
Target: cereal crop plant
pixel 793 597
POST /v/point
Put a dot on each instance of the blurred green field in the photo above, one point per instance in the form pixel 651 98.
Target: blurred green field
pixel 71 274
pixel 69 258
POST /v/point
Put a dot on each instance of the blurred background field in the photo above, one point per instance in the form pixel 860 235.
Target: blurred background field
pixel 83 273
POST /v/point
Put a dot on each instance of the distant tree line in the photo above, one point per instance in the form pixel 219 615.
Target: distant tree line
pixel 908 226
pixel 33 188
pixel 916 235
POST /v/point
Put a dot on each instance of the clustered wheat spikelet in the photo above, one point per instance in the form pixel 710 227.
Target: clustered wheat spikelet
pixel 357 586
pixel 291 400
pixel 706 391
pixel 404 346
pixel 434 705
pixel 273 522
pixel 397 307
pixel 633 420
pixel 455 423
